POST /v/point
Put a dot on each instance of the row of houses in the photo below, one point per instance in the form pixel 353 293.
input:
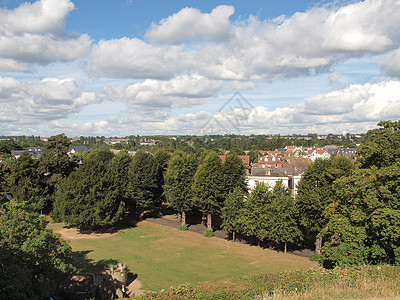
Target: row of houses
pixel 287 164
pixel 36 152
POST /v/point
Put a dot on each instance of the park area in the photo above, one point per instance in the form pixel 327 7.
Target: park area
pixel 163 256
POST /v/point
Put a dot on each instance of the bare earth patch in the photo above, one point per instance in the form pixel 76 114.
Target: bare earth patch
pixel 135 288
pixel 75 234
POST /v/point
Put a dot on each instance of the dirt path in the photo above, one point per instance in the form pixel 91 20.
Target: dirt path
pixel 194 228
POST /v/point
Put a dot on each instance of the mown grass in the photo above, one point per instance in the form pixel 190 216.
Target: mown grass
pixel 368 282
pixel 162 256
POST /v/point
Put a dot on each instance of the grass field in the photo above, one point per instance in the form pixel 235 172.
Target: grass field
pixel 163 256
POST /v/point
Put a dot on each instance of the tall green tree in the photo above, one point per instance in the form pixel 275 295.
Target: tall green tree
pixel 234 175
pixel 161 158
pixel 254 155
pixel 33 260
pixel 256 218
pixel 54 165
pixel 207 184
pixel 6 146
pixel 315 192
pixel 283 228
pixel 232 210
pixel 179 181
pixel 24 182
pixel 143 183
pixel 364 220
pixel 119 168
pixel 381 147
pixel 87 198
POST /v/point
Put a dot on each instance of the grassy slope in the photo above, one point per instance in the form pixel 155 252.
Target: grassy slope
pixel 164 256
pixel 368 282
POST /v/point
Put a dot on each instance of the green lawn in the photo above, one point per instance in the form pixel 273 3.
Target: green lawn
pixel 162 256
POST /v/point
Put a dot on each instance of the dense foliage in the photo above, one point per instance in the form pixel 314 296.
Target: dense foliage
pixel 88 197
pixel 364 218
pixel 232 211
pixel 207 184
pixel 178 183
pixel 33 260
pixel 316 191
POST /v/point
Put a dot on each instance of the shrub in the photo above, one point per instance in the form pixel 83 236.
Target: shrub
pixel 209 233
pixel 316 257
pixel 183 228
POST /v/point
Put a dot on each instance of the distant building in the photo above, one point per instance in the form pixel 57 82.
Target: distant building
pixel 35 152
pixel 77 149
pixel 289 181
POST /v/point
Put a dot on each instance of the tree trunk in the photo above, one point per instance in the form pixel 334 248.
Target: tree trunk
pixel 183 219
pixel 233 236
pixel 209 222
pixel 318 245
pixel 285 247
pixel 203 219
pixel 141 214
pixel 180 217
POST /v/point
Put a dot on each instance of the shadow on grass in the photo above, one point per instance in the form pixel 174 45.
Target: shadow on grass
pixel 128 222
pixel 86 266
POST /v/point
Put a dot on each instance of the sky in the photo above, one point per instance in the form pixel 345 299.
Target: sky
pixel 195 67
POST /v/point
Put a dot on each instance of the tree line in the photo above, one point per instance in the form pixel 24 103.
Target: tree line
pixel 351 211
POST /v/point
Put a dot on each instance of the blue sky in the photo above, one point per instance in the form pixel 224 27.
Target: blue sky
pixel 129 67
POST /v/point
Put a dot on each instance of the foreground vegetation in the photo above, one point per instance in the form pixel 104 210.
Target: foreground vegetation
pixel 367 282
pixel 163 256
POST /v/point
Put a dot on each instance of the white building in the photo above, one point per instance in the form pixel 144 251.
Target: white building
pixel 289 181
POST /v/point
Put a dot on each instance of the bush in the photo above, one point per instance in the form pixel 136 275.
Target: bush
pixel 316 257
pixel 209 233
pixel 183 228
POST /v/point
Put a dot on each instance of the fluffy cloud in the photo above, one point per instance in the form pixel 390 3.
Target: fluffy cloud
pixel 190 24
pixel 48 99
pixel 303 44
pixel 135 58
pixel 356 109
pixel 391 64
pixel 182 91
pixel 34 33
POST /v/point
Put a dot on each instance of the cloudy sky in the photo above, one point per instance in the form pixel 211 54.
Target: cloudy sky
pixel 128 67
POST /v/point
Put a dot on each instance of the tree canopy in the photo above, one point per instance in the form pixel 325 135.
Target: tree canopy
pixel 33 260
pixel 207 184
pixel 24 182
pixel 315 192
pixel 87 198
pixel 232 210
pixel 143 181
pixel 364 218
pixel 178 183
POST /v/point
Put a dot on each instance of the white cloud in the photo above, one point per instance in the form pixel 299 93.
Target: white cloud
pixel 11 65
pixel 391 64
pixel 34 33
pixel 45 16
pixel 190 24
pixel 182 91
pixel 303 44
pixel 41 101
pixel 136 59
pixel 354 109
